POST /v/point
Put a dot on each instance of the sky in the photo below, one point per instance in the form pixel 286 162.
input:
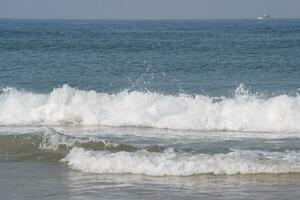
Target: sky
pixel 148 9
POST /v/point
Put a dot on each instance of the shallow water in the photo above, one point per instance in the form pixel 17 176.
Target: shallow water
pixel 32 165
pixel 41 180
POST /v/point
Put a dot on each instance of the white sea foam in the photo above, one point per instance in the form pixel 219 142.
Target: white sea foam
pixel 67 105
pixel 170 163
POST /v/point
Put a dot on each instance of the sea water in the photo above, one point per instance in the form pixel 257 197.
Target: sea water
pixel 141 109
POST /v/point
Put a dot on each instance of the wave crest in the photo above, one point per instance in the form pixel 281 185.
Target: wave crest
pixel 67 105
pixel 170 163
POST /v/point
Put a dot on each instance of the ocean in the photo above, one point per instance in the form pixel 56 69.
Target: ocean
pixel 149 109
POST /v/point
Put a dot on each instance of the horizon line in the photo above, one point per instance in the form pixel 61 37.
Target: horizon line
pixel 138 19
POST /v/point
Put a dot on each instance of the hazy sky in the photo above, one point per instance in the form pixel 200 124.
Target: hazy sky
pixel 149 9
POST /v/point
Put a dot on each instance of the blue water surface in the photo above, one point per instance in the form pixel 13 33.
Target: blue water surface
pixel 191 56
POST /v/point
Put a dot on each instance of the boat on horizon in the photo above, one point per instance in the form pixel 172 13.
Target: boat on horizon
pixel 265 16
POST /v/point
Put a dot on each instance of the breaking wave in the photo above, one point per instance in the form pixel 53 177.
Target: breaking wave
pixel 54 145
pixel 95 155
pixel 66 105
pixel 170 163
